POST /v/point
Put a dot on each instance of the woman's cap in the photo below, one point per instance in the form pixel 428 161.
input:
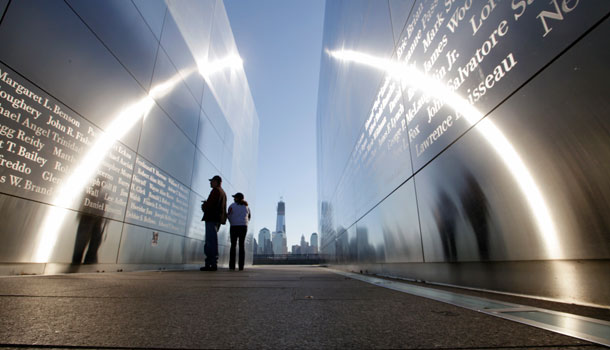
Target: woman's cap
pixel 217 178
pixel 238 195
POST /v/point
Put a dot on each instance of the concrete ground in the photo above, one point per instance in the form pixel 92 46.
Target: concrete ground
pixel 261 307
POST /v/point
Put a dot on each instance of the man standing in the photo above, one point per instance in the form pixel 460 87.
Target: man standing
pixel 214 215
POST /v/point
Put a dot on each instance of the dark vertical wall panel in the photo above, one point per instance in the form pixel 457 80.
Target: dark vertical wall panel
pixel 182 57
pixel 71 69
pixel 176 158
pixel 126 34
pixel 153 12
pixel 488 133
pixel 175 97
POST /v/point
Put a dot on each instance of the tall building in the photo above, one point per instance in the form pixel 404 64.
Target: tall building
pixel 296 249
pixel 313 241
pixel 280 225
pixel 305 248
pixel 117 92
pixel 264 241
pixel 284 243
pixel 445 151
pixel 278 241
pixel 280 228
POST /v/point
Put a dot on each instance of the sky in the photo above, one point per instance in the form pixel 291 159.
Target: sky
pixel 280 42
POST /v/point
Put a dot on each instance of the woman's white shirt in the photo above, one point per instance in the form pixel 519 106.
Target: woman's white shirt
pixel 239 215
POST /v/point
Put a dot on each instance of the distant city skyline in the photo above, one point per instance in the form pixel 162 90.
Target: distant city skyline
pixel 280 43
pixel 305 247
pixel 264 244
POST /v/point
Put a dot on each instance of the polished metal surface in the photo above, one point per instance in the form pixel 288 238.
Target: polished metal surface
pixel 157 200
pixel 21 234
pixel 179 103
pixel 202 166
pixel 177 159
pixel 179 53
pixel 3 4
pixel 153 12
pixel 140 245
pixel 195 228
pixel 110 130
pixel 210 141
pixel 481 136
pixel 192 250
pixel 80 62
pixel 400 229
pixel 130 40
pixel 566 281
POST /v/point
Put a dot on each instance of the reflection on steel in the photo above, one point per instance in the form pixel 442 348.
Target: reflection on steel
pixel 123 122
pixel 69 192
pixel 232 62
pixel 410 76
pixel 228 89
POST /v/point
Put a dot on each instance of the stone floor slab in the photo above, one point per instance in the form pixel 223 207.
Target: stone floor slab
pixel 261 307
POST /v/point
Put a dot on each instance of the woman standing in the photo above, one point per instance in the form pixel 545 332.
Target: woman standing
pixel 239 216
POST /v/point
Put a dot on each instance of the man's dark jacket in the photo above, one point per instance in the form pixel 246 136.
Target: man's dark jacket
pixel 215 207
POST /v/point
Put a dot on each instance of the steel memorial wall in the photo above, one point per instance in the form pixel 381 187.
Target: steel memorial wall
pixel 109 132
pixel 461 140
pixel 43 142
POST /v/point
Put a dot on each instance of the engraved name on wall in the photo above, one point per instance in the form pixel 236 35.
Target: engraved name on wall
pixel 473 52
pixel 480 52
pixel 42 144
pixel 157 200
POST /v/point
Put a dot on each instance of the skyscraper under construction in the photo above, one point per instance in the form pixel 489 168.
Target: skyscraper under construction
pixel 281 217
pixel 280 227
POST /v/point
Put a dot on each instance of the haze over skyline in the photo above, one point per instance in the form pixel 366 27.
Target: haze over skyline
pixel 280 43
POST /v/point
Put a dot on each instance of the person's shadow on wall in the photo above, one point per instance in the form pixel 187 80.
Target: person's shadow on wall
pixel 90 231
pixel 476 207
pixel 445 215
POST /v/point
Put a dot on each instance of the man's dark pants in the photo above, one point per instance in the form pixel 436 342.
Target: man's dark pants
pixel 238 232
pixel 211 243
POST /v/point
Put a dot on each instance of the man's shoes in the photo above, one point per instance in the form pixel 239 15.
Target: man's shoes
pixel 208 268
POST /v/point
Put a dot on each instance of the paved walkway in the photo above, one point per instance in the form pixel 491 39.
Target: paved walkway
pixel 261 307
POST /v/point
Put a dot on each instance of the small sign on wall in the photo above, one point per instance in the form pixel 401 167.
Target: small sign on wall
pixel 155 239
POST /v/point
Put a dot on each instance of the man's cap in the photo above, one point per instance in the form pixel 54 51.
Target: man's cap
pixel 238 195
pixel 217 178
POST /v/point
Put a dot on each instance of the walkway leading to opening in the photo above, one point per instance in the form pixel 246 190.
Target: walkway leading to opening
pixel 261 307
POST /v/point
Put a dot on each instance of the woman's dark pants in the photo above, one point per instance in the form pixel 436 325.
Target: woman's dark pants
pixel 238 232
